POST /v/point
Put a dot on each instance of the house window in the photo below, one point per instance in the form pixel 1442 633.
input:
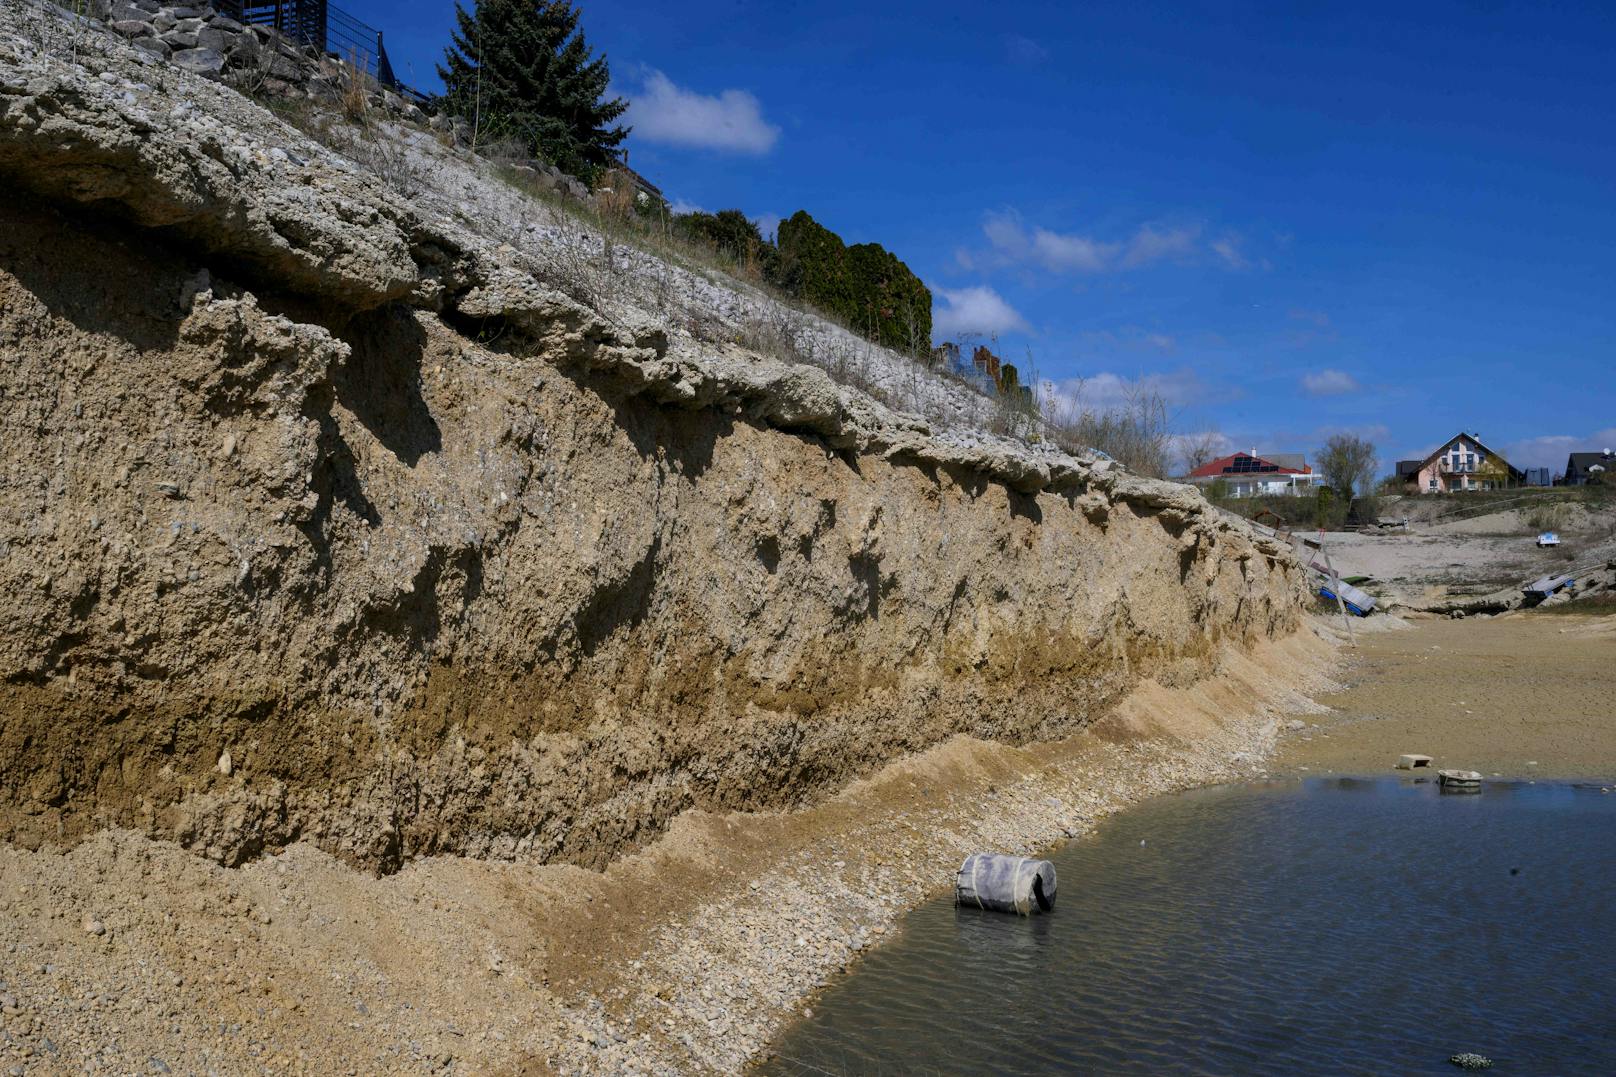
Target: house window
pixel 1433 486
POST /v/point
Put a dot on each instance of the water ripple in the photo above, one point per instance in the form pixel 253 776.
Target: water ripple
pixel 1339 926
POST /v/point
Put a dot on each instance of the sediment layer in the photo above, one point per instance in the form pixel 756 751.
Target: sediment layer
pixel 329 519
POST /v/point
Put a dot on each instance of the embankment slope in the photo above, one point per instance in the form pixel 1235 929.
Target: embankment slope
pixel 330 518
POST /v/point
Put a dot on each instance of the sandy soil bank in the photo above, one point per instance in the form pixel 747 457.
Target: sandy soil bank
pixel 1526 694
pixel 127 955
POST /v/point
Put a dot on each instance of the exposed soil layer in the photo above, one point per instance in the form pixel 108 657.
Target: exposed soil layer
pixel 327 520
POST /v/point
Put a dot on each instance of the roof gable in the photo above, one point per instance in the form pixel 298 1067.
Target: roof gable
pixel 1470 439
pixel 1243 464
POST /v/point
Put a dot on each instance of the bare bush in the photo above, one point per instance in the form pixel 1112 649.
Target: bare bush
pixel 1197 450
pixel 1547 517
pixel 1134 432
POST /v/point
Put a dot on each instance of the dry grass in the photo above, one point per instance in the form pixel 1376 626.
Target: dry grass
pixel 1135 432
pixel 615 195
pixel 354 95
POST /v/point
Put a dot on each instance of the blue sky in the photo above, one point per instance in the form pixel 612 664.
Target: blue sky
pixel 1396 220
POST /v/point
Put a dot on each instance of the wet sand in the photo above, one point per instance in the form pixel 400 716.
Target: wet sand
pixel 1528 694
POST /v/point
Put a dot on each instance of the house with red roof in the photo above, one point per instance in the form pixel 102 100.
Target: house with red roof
pixel 1248 474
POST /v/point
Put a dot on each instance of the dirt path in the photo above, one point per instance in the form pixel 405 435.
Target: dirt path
pixel 1529 694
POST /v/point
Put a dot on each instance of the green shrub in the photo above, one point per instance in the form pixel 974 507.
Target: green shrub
pixel 865 285
pixel 728 232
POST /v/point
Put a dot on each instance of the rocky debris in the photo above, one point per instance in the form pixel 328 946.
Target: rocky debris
pixel 1586 583
pixel 198 61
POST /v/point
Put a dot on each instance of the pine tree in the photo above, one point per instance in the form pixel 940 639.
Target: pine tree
pixel 521 69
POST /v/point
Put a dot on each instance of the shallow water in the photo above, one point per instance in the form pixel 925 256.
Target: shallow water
pixel 1332 926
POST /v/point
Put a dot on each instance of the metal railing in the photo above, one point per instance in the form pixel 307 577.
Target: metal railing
pixel 327 29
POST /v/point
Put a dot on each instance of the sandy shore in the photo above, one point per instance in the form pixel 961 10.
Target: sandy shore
pixel 1526 694
pixel 127 955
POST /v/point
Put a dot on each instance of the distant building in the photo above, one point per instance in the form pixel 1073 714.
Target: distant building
pixel 642 186
pixel 1582 467
pixel 1462 463
pixel 1246 474
pixel 986 363
pixel 1538 476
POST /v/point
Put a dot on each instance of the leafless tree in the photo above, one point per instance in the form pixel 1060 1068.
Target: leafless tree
pixel 1347 462
pixel 1194 450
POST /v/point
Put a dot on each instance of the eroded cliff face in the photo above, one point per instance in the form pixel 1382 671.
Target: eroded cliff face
pixel 329 519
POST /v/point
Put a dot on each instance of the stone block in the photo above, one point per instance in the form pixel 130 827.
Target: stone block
pixel 227 24
pixel 210 37
pixel 201 61
pixel 153 45
pixel 178 39
pixel 133 28
pixel 282 68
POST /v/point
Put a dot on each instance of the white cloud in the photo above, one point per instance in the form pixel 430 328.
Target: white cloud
pixel 1227 248
pixel 974 310
pixel 1329 383
pixel 679 205
pixel 1107 389
pixel 731 121
pixel 1011 241
pixel 1551 450
pixel 1152 244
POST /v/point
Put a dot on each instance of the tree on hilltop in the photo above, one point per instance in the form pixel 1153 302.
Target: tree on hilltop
pixel 521 69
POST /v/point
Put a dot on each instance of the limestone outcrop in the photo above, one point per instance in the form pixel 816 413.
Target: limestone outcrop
pixel 332 515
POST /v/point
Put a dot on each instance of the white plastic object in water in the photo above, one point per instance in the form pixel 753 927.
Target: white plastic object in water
pixel 1004 883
